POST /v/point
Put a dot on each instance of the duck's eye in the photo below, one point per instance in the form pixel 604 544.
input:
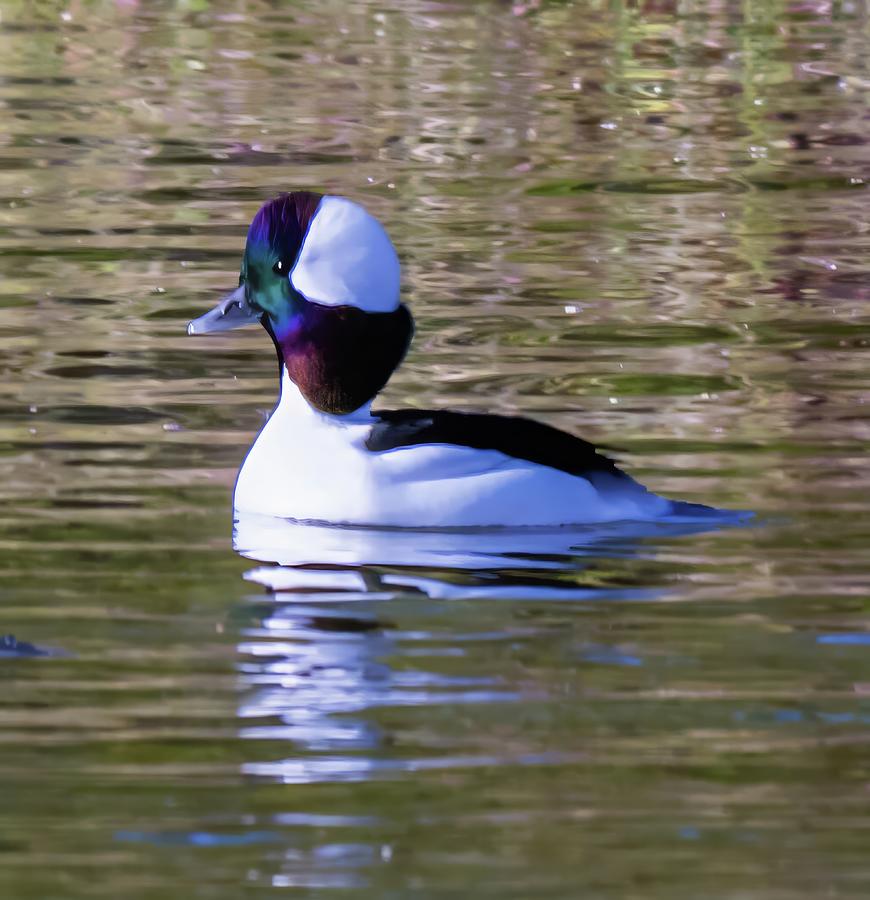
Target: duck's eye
pixel 281 267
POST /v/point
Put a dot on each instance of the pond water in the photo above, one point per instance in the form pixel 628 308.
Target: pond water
pixel 646 223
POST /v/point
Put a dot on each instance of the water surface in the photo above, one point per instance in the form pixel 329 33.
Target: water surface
pixel 645 223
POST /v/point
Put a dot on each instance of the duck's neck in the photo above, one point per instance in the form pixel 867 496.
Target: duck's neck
pixel 292 404
pixel 340 357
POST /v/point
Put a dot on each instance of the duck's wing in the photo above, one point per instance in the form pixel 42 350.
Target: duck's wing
pixel 513 436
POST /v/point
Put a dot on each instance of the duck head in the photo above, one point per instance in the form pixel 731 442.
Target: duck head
pixel 321 275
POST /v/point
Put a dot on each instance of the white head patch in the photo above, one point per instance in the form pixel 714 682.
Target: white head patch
pixel 347 259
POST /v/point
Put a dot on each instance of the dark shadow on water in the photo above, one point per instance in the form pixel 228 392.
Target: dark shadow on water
pixel 13 648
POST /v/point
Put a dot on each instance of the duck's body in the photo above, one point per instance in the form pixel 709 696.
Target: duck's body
pixel 321 275
pixel 369 469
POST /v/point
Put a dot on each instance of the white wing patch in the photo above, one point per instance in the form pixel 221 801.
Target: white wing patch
pixel 347 259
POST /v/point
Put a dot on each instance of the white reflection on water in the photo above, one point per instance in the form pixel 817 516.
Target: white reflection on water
pixel 349 769
pixel 292 543
pixel 311 674
pixel 314 667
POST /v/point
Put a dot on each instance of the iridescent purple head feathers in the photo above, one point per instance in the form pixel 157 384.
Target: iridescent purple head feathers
pixel 281 223
pixel 323 278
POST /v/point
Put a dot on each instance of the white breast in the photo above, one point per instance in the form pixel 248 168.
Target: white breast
pixel 311 466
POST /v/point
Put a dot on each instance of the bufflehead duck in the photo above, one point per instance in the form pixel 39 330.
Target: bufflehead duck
pixel 321 275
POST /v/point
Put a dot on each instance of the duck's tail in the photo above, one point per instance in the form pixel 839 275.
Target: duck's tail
pixel 682 509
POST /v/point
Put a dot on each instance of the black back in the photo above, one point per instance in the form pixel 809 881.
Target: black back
pixel 517 437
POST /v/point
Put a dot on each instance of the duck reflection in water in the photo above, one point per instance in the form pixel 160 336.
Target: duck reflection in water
pixel 317 659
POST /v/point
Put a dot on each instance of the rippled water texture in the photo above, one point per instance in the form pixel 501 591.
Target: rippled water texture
pixel 645 223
